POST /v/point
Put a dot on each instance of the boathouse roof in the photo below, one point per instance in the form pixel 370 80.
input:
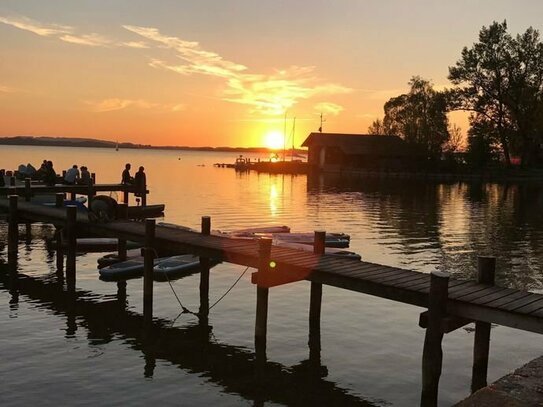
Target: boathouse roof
pixel 360 144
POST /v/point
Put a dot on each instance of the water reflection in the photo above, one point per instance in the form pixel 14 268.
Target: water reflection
pixel 446 226
pixel 191 347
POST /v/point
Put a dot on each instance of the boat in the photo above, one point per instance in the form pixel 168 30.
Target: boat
pixel 99 244
pixel 338 240
pixel 148 211
pixel 328 251
pixel 165 268
pixel 242 163
pixel 113 258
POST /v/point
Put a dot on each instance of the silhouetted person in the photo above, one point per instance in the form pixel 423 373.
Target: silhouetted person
pixel 126 178
pixel 72 175
pixel 85 178
pixel 140 181
pixel 50 176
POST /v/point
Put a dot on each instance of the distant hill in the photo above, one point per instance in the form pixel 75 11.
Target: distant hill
pixel 88 142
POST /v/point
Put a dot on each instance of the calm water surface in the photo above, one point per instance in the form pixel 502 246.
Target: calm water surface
pixel 93 353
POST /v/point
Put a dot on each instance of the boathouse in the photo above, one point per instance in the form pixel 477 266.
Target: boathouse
pixel 336 151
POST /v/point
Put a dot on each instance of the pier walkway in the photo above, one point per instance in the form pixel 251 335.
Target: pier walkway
pixel 451 303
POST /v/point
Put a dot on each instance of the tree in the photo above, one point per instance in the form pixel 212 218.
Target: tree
pixel 455 141
pixel 419 117
pixel 500 80
pixel 377 128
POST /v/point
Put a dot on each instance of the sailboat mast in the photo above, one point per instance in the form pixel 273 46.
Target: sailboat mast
pixel 284 135
pixel 293 131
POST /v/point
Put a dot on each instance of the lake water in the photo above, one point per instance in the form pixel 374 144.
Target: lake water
pixel 94 353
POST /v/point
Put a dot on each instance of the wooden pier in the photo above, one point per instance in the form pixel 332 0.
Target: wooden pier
pixel 450 303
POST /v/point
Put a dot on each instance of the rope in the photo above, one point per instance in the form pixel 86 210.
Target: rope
pixel 230 289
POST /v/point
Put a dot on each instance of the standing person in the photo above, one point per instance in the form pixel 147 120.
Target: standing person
pixel 50 177
pixel 140 181
pixel 86 178
pixel 72 175
pixel 126 177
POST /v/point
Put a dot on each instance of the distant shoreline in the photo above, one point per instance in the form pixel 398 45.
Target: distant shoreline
pixel 93 143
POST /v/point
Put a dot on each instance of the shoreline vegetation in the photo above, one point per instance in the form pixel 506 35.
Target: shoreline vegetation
pixel 95 143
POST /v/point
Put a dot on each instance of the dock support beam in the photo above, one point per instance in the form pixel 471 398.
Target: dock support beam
pixel 13 232
pixel 28 190
pixel 204 275
pixel 71 215
pixel 261 324
pixel 315 302
pixel 122 213
pixel 486 269
pixel 432 354
pixel 148 256
pixel 59 203
pixel 125 195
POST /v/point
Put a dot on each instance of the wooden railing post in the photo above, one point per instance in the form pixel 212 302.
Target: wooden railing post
pixel 486 270
pixel 28 189
pixel 204 274
pixel 71 218
pixel 315 301
pixel 149 255
pixel 13 231
pixel 261 324
pixel 432 354
pixel 125 194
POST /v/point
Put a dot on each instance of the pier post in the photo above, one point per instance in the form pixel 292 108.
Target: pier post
pixel 148 255
pixel 432 354
pixel 122 213
pixel 28 190
pixel 315 302
pixel 125 194
pixel 261 325
pixel 93 178
pixel 204 275
pixel 13 232
pixel 59 199
pixel 12 181
pixel 144 195
pixel 486 270
pixel 72 196
pixel 71 215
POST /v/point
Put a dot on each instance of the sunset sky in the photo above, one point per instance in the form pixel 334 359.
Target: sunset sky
pixel 223 73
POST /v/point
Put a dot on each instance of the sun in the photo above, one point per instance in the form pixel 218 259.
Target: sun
pixel 274 139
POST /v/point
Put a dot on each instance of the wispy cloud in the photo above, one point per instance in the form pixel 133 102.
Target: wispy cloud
pixel 8 89
pixel 264 93
pixel 112 104
pixel 92 40
pixel 45 30
pixel 329 108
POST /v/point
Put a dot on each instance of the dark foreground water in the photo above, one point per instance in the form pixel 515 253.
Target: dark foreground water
pixel 55 350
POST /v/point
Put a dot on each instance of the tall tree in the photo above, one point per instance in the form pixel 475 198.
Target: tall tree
pixel 419 117
pixel 500 79
pixel 377 128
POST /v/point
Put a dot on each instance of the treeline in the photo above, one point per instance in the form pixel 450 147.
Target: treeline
pixel 499 81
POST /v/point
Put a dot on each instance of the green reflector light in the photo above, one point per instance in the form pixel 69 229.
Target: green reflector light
pixel 272 264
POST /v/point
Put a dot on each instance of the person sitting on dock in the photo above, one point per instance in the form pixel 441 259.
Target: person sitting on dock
pixel 72 175
pixel 126 177
pixel 86 178
pixel 50 176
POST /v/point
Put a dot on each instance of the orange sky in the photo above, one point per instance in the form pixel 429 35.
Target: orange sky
pixel 208 73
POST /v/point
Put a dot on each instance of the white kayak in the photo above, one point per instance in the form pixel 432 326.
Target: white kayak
pixel 329 251
pixel 113 258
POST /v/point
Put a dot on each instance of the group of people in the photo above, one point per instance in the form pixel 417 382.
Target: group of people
pixel 138 180
pixel 73 176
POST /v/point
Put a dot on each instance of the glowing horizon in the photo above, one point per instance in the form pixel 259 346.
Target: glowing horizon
pixel 183 75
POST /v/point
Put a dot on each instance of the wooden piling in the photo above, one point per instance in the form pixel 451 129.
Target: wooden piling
pixel 71 214
pixel 486 270
pixel 13 231
pixel 432 354
pixel 148 255
pixel 28 189
pixel 143 195
pixel 12 181
pixel 125 195
pixel 204 274
pixel 315 302
pixel 59 199
pixel 72 196
pixel 261 324
pixel 93 178
pixel 122 213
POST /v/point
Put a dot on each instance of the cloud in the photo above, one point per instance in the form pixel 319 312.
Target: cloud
pixel 92 40
pixel 134 44
pixel 8 89
pixel 27 24
pixel 271 94
pixel 329 108
pixel 113 104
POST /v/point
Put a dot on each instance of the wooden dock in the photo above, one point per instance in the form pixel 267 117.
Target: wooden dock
pixel 451 303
